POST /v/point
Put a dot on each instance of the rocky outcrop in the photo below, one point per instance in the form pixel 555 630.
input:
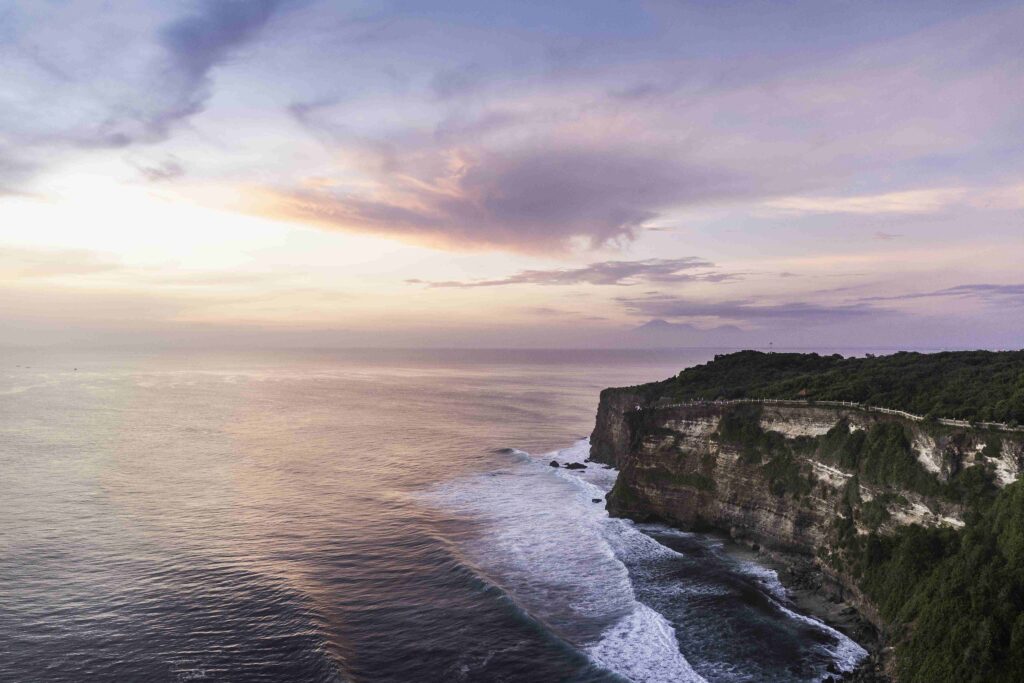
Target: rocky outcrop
pixel 776 481
pixel 612 434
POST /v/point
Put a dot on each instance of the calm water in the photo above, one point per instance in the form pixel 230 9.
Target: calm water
pixel 354 517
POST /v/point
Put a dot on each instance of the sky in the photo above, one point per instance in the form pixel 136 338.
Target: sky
pixel 657 173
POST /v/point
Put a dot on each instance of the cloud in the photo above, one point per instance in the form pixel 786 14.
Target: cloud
pixel 640 91
pixel 174 85
pixel 999 294
pixel 546 160
pixel 457 81
pixel 13 172
pixel 527 200
pixel 659 327
pixel 193 46
pixel 618 273
pixel 909 202
pixel 748 310
pixel 459 128
pixel 19 263
pixel 109 82
pixel 168 169
pixel 886 236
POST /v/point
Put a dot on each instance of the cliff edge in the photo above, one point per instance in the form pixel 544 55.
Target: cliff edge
pixel 869 498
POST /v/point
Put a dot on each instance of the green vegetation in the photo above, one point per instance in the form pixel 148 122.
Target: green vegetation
pixel 740 426
pixel 881 456
pixel 622 494
pixel 955 599
pixel 968 385
pixel 993 447
pixel 874 513
pixel 786 476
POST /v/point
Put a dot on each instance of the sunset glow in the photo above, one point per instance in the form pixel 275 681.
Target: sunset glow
pixel 396 175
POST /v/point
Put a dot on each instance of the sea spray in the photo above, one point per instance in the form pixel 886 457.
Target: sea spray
pixel 607 586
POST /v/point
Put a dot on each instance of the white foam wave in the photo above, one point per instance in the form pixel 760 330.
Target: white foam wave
pixel 643 647
pixel 554 551
pixel 846 653
pixel 767 578
pixel 557 554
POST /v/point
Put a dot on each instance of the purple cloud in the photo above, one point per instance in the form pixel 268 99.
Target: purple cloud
pixel 167 169
pixel 194 45
pixel 175 83
pixel 529 199
pixel 457 81
pixel 747 310
pixel 618 273
pixel 1009 294
pixel 13 172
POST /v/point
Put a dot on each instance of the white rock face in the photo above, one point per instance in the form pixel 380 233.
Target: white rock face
pixel 921 514
pixel 698 427
pixel 927 452
pixel 807 422
pixel 830 475
pixel 1006 472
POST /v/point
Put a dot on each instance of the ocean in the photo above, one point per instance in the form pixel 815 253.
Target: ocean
pixel 356 516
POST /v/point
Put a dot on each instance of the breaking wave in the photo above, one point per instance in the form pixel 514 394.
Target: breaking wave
pixel 619 593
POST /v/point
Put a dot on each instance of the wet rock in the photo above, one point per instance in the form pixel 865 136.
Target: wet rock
pixel 554 463
pixel 596 500
pixel 575 466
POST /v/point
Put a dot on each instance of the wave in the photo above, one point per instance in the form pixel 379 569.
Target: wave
pixel 611 589
pixel 643 647
pixel 546 545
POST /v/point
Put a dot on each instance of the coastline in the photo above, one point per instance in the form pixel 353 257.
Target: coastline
pixel 815 594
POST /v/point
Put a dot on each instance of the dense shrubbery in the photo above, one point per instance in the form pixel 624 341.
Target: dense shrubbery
pixel 741 427
pixel 955 599
pixel 969 385
pixel 881 456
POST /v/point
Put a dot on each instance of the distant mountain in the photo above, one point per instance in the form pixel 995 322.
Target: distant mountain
pixel 663 332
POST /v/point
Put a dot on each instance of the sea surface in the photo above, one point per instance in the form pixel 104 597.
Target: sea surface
pixel 355 516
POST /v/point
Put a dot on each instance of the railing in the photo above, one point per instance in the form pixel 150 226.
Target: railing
pixel 844 404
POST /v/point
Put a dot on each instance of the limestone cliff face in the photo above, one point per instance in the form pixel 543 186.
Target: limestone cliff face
pixel 676 466
pixel 613 434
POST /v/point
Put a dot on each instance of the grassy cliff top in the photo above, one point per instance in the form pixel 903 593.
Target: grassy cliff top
pixel 968 385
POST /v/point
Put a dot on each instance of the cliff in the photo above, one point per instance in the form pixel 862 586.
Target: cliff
pixel 681 466
pixel 811 482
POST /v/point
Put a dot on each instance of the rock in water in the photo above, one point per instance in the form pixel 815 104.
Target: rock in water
pixel 575 466
pixel 554 463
